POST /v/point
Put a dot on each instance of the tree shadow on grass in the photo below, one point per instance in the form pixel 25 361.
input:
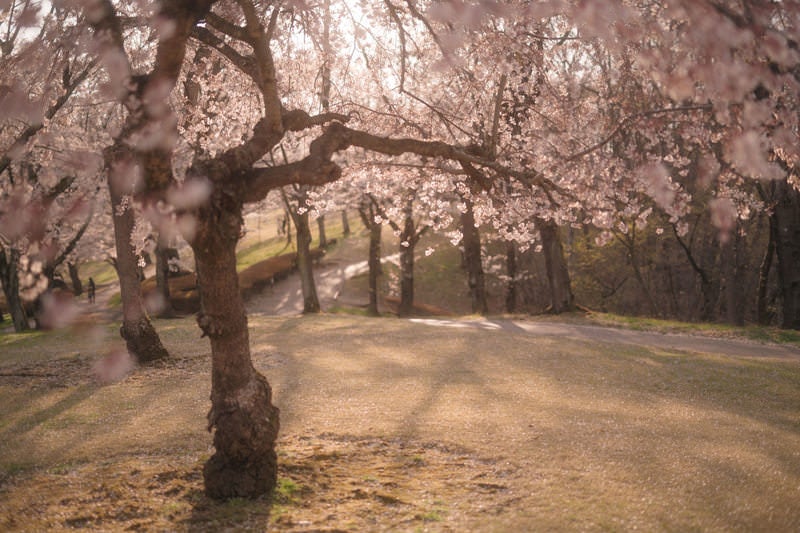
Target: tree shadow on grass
pixel 40 416
pixel 236 514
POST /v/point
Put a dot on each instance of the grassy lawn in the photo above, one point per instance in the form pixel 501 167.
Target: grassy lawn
pixel 405 426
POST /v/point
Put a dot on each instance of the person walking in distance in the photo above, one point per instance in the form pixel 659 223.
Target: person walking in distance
pixel 91 290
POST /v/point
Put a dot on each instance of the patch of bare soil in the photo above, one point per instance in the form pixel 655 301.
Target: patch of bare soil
pixel 327 482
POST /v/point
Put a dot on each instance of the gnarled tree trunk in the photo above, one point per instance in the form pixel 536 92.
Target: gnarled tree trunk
pixel 244 421
pixel 140 337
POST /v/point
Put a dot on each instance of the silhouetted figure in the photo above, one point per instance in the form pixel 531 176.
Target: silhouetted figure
pixel 91 290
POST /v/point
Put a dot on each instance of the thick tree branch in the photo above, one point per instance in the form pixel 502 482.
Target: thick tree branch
pixel 246 64
pixel 228 28
pixel 390 146
pixel 317 168
pixel 628 121
pixel 299 120
pixel 72 243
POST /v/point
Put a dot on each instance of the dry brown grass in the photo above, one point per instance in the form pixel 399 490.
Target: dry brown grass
pixel 399 426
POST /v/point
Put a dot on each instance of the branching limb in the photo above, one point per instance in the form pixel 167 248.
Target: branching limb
pixel 72 83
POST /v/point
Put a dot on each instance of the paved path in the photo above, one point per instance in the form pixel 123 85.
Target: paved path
pixel 691 343
pixel 286 296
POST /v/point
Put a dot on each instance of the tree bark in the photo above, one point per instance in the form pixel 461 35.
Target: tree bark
pixel 406 307
pixel 309 287
pixel 472 260
pixel 511 271
pixel 345 224
pixel 558 280
pixel 75 279
pixel 628 240
pixel 367 214
pixel 408 242
pixel 163 254
pixel 140 337
pixel 323 239
pixel 375 269
pixel 734 310
pixel 706 285
pixel 288 217
pixel 762 316
pixel 244 421
pixel 9 276
pixel 786 215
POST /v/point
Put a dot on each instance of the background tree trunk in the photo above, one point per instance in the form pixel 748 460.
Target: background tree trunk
pixel 163 254
pixel 75 278
pixel 137 330
pixel 472 260
pixel 304 260
pixel 762 315
pixel 706 285
pixel 406 307
pixel 408 242
pixel 309 287
pixel 345 224
pixel 367 214
pixel 734 310
pixel 288 217
pixel 9 276
pixel 786 216
pixel 558 280
pixel 242 416
pixel 323 239
pixel 511 271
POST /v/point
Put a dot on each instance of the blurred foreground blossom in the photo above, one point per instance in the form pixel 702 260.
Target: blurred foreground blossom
pixel 155 303
pixel 113 367
pixel 59 310
pixel 723 217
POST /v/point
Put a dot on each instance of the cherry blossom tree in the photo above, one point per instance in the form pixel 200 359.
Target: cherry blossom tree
pixel 43 155
pixel 214 93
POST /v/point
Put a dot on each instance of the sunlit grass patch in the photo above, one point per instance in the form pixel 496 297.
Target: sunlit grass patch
pixel 102 272
pixel 752 332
